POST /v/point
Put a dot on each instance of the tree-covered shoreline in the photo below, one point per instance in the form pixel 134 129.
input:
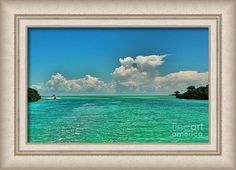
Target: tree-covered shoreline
pixel 200 93
pixel 33 95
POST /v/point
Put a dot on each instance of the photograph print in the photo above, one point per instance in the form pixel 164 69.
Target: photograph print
pixel 118 85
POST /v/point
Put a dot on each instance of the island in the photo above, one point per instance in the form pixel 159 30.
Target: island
pixel 200 93
pixel 33 95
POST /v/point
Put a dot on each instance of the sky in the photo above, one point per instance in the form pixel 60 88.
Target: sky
pixel 81 61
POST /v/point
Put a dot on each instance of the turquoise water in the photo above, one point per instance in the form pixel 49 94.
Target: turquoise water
pixel 91 119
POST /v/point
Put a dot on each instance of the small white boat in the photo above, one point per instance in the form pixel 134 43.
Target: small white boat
pixel 53 97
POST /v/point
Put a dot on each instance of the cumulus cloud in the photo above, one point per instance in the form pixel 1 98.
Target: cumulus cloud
pixel 180 80
pixel 126 62
pixel 134 75
pixel 141 75
pixel 89 84
pixel 141 65
pixel 148 63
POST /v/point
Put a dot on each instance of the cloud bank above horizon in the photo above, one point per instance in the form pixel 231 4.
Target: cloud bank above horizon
pixel 138 75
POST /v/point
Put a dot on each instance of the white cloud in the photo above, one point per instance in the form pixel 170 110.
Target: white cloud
pixel 141 65
pixel 89 84
pixel 180 81
pixel 134 75
pixel 38 86
pixel 126 62
pixel 147 63
pixel 140 75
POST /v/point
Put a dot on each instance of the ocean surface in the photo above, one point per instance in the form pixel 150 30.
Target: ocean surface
pixel 118 119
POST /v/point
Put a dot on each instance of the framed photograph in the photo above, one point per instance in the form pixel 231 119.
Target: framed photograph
pixel 117 84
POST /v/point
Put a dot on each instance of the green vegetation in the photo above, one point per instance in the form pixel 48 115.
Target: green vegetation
pixel 33 95
pixel 200 93
pixel 176 93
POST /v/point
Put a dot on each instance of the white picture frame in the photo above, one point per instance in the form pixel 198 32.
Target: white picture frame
pixel 18 16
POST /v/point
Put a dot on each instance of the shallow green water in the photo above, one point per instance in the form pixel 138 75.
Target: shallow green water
pixel 90 119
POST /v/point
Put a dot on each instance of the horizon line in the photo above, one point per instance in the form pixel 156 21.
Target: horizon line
pixel 107 95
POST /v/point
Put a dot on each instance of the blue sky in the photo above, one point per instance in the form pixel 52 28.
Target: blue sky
pixel 77 52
